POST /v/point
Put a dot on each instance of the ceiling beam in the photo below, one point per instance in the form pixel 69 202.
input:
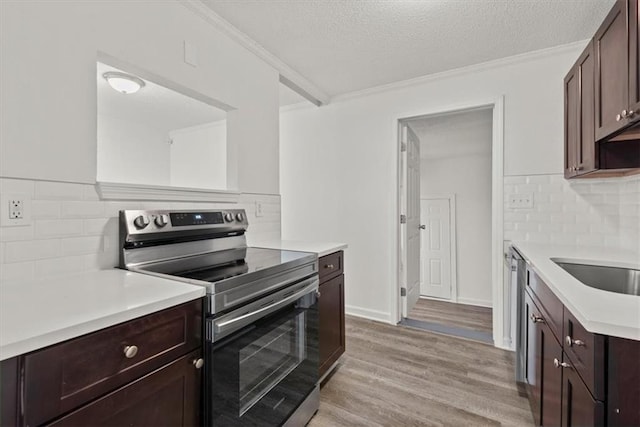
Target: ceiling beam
pixel 288 75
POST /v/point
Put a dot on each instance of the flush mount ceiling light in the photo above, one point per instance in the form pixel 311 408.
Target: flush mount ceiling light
pixel 123 82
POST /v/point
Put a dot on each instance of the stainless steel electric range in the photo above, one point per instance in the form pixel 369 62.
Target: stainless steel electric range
pixel 261 323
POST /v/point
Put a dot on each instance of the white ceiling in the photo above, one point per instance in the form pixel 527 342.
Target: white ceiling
pixel 348 45
pixel 153 105
pixel 454 135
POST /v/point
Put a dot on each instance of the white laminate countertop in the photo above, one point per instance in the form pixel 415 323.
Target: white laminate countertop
pixel 599 311
pixel 38 313
pixel 320 248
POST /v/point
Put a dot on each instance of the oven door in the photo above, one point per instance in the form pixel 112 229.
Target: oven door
pixel 262 372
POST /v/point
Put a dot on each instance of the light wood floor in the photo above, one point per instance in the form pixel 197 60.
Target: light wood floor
pixel 398 376
pixel 448 313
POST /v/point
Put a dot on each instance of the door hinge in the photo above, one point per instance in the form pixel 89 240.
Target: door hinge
pixel 403 147
pixel 403 219
pixel 403 292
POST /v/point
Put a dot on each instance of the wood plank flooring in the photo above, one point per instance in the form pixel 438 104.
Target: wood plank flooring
pixel 452 314
pixel 398 376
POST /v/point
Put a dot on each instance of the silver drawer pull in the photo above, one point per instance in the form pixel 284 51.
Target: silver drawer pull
pixel 328 266
pixel 559 364
pixel 536 319
pixel 570 341
pixel 130 351
pixel 198 363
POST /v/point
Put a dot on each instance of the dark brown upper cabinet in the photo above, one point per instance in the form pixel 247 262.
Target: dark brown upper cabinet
pixel 611 44
pixel 579 100
pixel 602 100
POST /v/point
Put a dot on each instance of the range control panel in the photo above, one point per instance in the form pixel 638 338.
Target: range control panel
pixel 144 222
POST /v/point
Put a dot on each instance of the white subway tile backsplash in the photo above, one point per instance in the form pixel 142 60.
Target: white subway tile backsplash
pixel 10 234
pixel 83 245
pixel 31 250
pixel 83 209
pixel 73 230
pixel 605 212
pixel 58 228
pixel 45 209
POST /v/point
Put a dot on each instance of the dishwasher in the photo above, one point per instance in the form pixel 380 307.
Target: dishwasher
pixel 517 283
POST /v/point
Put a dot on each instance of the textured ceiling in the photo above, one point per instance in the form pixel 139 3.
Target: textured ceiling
pixel 454 135
pixel 348 45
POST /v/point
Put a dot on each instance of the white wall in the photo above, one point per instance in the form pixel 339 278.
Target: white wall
pixel 198 156
pixel 339 162
pixel 48 103
pixel 467 174
pixel 132 152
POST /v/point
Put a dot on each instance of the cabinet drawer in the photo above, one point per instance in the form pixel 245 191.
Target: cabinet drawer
pixel 331 265
pixel 586 353
pixel 169 396
pixel 67 375
pixel 548 303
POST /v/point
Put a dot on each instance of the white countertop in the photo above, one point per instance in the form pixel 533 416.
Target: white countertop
pixel 320 248
pixel 38 313
pixel 599 311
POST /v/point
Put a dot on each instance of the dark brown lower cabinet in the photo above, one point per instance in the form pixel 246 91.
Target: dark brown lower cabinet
pixel 579 408
pixel 331 333
pixel 551 387
pixel 169 396
pixel 9 387
pixel 623 400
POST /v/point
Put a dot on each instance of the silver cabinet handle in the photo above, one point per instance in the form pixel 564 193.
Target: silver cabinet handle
pixel 618 117
pixel 570 341
pixel 624 114
pixel 130 351
pixel 328 266
pixel 318 294
pixel 559 364
pixel 630 114
pixel 536 319
pixel 198 363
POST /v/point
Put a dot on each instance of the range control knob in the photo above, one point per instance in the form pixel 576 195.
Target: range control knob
pixel 141 221
pixel 240 216
pixel 228 217
pixel 162 220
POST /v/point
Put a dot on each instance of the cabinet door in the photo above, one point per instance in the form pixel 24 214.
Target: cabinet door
pixel 571 101
pixel 634 58
pixel 623 405
pixel 586 140
pixel 579 408
pixel 551 372
pixel 169 396
pixel 9 392
pixel 332 331
pixel 611 83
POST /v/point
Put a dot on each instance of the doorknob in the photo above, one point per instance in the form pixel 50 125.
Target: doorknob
pixel 422 226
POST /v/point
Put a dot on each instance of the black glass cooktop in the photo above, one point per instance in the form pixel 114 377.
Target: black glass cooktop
pixel 218 266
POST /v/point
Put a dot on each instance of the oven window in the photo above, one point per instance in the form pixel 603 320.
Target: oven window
pixel 260 374
pixel 269 359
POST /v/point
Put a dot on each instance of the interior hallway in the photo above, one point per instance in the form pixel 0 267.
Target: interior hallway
pixel 453 314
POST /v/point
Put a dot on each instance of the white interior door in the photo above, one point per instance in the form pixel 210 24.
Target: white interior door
pixel 436 248
pixel 412 225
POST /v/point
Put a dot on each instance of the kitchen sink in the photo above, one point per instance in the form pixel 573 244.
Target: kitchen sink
pixel 612 279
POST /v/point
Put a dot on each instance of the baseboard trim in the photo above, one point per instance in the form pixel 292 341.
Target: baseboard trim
pixel 366 313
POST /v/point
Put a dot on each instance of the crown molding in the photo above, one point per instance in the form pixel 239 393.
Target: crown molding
pixel 296 81
pixel 475 68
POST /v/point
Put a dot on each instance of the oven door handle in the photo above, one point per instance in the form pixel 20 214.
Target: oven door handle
pixel 227 326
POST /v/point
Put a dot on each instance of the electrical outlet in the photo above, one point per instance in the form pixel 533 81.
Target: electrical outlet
pixel 521 201
pixel 259 209
pixel 16 209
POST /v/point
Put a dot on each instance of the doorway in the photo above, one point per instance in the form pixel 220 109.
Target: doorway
pixel 459 194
